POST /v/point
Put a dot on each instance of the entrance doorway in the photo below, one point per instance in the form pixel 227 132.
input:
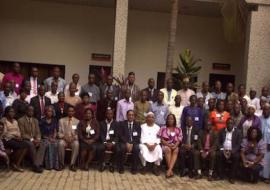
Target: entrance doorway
pixel 224 79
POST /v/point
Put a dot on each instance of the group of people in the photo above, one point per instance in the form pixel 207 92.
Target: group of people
pixel 217 134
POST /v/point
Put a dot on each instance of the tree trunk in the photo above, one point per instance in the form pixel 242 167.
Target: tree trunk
pixel 172 38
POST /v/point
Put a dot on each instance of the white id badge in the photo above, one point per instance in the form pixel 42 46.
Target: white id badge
pixel 90 94
pixel 196 118
pixel 17 85
pixel 135 134
pixel 218 115
pixel 145 114
pixel 172 134
pixel 162 113
pixel 32 139
pixel 111 132
pixel 195 137
pixel 74 127
pixel 92 131
pixel 115 98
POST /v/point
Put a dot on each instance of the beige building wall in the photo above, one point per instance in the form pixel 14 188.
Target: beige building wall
pixel 68 34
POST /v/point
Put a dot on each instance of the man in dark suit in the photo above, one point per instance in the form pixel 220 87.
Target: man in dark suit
pixel 108 85
pixel 34 81
pixel 152 91
pixel 230 139
pixel 104 103
pixel 108 140
pixel 189 143
pixel 39 102
pixel 129 140
pixel 61 107
pixel 207 147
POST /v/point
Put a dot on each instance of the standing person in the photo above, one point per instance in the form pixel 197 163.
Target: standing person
pixel 230 94
pixel 237 114
pixel 265 93
pixel 242 92
pixel 71 97
pixel 253 99
pixel 186 92
pixel 160 110
pixel 229 106
pixel 53 94
pixel 150 149
pixel 108 140
pixel 171 138
pixel 151 90
pixel 253 149
pixel 27 89
pixel 263 101
pixel 217 93
pixel 244 102
pixel 6 98
pixel 193 111
pixel 230 139
pixel 109 86
pixel 250 120
pixel 56 78
pixel 3 153
pixel 134 89
pixel 48 128
pixel 60 107
pixel 211 107
pixel 104 104
pixel 75 81
pixel 68 138
pixel 207 147
pixel 30 133
pixel 88 133
pixel 123 106
pixel 169 93
pixel 34 81
pixel 219 116
pixel 39 102
pixel 177 110
pixel 16 76
pixel 141 108
pixel 85 104
pixel 188 146
pixel 129 140
pixel 92 89
pixel 265 120
pixel 20 105
pixel 205 94
pixel 12 139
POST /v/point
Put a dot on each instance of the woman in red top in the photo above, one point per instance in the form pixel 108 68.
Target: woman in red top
pixel 219 116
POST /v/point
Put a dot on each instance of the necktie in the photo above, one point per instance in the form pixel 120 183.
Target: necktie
pixel 42 106
pixel 130 131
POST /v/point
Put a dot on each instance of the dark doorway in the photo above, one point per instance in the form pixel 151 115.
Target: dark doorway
pixel 224 79
pixel 161 80
pixel 101 72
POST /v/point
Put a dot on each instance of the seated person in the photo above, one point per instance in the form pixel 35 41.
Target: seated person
pixel 230 139
pixel 129 140
pixel 189 144
pixel 3 153
pixel 88 133
pixel 171 137
pixel 207 146
pixel 150 149
pixel 81 107
pixel 253 149
pixel 68 138
pixel 108 139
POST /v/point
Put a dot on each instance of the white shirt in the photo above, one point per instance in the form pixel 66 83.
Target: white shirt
pixel 53 97
pixel 77 93
pixel 228 140
pixel 108 129
pixel 185 95
pixel 168 97
pixel 256 102
pixel 33 82
pixel 149 134
pixel 177 111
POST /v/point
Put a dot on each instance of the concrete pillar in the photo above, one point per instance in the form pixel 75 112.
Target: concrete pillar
pixel 120 37
pixel 257 55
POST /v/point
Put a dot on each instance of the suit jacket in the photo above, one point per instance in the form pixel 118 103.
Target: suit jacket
pixel 124 133
pixel 213 140
pixel 28 132
pixel 195 132
pixel 60 113
pixel 36 104
pixel 115 91
pixel 236 139
pixel 65 129
pixel 102 106
pixel 38 81
pixel 103 131
pixel 153 97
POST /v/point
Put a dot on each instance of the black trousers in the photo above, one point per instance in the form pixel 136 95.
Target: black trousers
pixel 232 162
pixel 101 148
pixel 252 174
pixel 121 150
pixel 186 159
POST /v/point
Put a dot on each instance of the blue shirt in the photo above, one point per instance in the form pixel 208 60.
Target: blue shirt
pixel 161 112
pixel 197 116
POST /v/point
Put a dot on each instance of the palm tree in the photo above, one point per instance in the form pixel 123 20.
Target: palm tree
pixel 172 38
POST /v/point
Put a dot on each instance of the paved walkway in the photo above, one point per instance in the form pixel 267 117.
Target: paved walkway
pixel 95 180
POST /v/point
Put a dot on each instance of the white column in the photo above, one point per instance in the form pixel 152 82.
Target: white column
pixel 120 37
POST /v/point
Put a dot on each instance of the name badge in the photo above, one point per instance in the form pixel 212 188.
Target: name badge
pixel 135 134
pixel 162 113
pixel 130 99
pixel 90 94
pixel 151 102
pixel 111 132
pixel 74 127
pixel 218 115
pixel 172 134
pixel 196 118
pixel 115 98
pixel 17 85
pixel 92 131
pixel 32 139
pixel 145 114
pixel 195 137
